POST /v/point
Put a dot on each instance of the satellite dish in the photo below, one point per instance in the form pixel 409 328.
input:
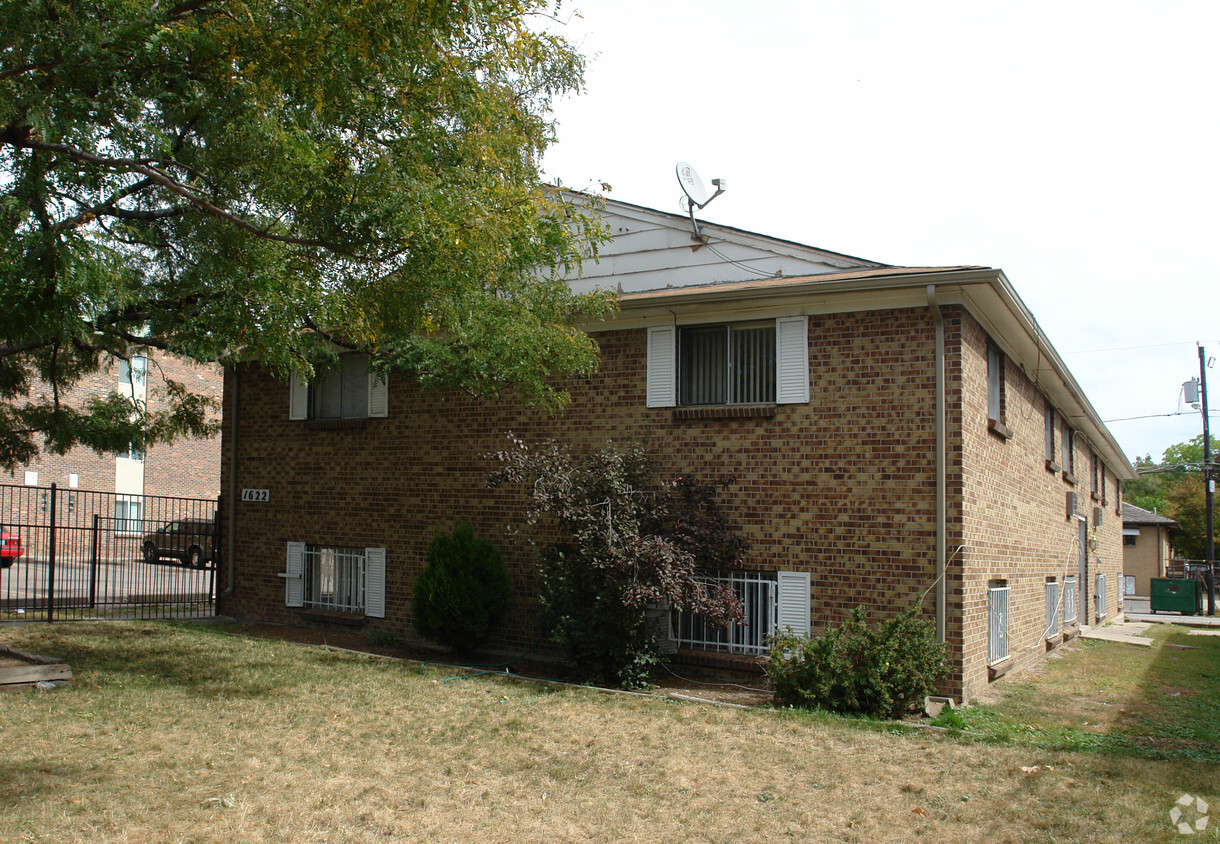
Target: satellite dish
pixel 696 193
pixel 691 184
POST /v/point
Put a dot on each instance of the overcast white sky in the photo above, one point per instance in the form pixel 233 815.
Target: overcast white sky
pixel 1072 144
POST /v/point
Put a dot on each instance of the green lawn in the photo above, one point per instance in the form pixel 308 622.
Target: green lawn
pixel 1159 703
pixel 186 733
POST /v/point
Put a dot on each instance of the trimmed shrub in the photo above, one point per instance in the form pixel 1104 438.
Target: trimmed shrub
pixel 462 593
pixel 882 670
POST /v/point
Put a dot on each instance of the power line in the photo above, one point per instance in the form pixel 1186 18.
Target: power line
pixel 1159 416
pixel 1136 348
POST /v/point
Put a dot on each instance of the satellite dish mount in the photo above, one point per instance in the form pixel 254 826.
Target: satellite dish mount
pixel 696 194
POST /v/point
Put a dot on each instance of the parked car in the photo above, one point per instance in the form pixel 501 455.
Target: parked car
pixel 10 548
pixel 188 540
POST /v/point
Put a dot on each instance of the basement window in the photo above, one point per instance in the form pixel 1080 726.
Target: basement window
pixel 997 621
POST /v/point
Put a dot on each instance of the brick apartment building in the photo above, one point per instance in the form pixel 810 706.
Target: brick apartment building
pixel 188 468
pixel 897 435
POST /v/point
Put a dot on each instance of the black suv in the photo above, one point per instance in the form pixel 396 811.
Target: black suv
pixel 188 540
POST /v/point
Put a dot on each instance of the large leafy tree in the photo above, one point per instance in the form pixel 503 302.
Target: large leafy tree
pixel 1174 488
pixel 278 180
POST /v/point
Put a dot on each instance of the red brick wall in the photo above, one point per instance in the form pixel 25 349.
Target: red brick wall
pixel 187 468
pixel 1014 526
pixel 843 487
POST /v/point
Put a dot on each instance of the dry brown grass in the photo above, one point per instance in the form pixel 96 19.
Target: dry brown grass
pixel 186 734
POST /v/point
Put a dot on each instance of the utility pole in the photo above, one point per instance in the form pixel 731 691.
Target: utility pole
pixel 1209 482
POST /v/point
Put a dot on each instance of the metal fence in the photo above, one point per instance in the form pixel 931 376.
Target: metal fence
pixel 89 555
pixel 758 594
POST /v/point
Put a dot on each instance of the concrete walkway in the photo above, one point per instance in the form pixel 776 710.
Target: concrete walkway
pixel 1127 632
pixel 1137 618
pixel 1137 609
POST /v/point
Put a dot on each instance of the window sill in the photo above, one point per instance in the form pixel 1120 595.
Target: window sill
pixel 1052 466
pixel 999 669
pixel 1053 641
pixel 728 411
pixel 337 424
pixel 345 619
pixel 999 429
pixel 1070 478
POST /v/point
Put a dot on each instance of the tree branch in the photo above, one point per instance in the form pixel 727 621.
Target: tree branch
pixel 171 184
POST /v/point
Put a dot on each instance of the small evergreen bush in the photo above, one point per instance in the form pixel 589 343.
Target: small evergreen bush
pixel 462 593
pixel 882 670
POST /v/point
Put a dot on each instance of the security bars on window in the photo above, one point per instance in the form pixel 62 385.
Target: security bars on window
pixel 1052 609
pixel 1069 600
pixel 758 594
pixel 997 623
pixel 334 578
pixel 1101 596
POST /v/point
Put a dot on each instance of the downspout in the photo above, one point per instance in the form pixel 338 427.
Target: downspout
pixel 941 529
pixel 231 519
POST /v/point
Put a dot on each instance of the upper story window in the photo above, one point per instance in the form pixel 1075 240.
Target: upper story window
pixel 1049 436
pixel 995 383
pixel 995 392
pixel 348 390
pixel 729 363
pixel 342 392
pixel 726 364
pixel 1069 450
pixel 134 373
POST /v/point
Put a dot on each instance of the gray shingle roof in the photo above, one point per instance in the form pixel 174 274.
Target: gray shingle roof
pixel 1133 515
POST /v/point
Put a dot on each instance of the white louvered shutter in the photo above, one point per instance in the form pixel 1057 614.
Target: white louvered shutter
pixel 379 396
pixel 662 359
pixel 792 360
pixel 298 398
pixel 794 596
pixel 294 575
pixel 374 582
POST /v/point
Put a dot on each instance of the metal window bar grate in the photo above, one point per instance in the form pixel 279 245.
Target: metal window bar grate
pixel 334 578
pixel 1101 596
pixel 1052 609
pixel 757 592
pixel 997 623
pixel 1069 601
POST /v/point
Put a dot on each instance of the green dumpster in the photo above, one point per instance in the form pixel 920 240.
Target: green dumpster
pixel 1174 595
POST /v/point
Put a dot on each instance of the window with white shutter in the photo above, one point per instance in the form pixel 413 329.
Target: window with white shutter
pixel 349 390
pixel 293 575
pixel 771 601
pixel 729 364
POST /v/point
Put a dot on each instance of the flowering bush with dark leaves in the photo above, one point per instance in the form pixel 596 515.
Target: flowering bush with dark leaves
pixel 624 542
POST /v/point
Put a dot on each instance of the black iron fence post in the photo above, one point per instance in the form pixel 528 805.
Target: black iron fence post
pixel 51 561
pixel 93 564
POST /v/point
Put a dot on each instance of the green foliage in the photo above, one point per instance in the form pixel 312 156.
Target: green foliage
pixel 462 593
pixel 1147 490
pixel 882 670
pixel 236 180
pixel 1174 488
pixel 627 541
pixel 382 639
